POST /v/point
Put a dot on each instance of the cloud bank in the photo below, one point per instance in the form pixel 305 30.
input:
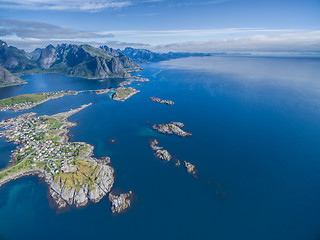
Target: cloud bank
pixel 62 5
pixel 29 35
pixel 288 42
pixel 39 30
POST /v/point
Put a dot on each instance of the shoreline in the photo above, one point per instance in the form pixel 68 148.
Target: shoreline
pixel 64 195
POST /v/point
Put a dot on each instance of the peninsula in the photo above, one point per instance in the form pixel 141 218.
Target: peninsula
pixel 73 176
pixel 27 101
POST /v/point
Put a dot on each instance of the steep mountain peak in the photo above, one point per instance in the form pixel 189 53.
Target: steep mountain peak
pixel 70 59
pixel 3 44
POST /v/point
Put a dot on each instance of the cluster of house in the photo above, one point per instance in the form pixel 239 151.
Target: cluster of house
pixel 27 104
pixel 25 130
pixel 17 106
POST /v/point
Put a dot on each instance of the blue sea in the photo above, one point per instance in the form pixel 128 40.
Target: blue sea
pixel 256 145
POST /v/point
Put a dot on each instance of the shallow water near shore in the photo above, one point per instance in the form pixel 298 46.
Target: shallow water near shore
pixel 256 145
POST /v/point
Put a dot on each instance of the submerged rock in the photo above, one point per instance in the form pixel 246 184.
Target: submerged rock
pixel 176 162
pixel 120 202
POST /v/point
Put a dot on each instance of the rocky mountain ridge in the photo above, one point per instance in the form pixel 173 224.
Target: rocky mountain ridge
pixel 70 59
pixel 144 55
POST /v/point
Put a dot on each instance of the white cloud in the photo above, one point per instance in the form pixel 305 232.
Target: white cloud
pixel 37 30
pixel 197 33
pixel 73 5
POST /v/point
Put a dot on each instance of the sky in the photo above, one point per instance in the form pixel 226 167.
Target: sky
pixel 165 25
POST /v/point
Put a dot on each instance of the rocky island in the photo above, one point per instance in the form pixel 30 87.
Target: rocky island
pixel 73 176
pixel 27 101
pixel 171 128
pixel 123 93
pixel 121 202
pixel 190 167
pixel 158 100
pixel 160 153
pixel 102 91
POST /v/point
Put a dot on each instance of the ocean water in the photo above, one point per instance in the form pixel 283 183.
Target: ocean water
pixel 256 145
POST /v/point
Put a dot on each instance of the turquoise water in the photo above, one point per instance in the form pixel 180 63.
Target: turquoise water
pixel 256 145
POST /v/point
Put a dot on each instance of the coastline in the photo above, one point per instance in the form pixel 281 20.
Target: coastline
pixel 62 194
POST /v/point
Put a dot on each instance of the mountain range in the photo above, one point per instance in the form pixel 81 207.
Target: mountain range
pixel 76 60
pixel 144 55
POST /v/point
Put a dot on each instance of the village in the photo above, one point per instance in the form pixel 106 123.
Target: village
pixel 39 143
pixel 27 101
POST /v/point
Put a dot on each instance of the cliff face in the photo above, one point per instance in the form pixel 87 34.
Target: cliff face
pixel 7 79
pixel 47 57
pixel 82 61
pixel 75 60
pixel 13 58
pixel 126 61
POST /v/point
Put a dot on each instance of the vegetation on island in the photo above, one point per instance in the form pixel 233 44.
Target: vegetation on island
pixel 123 93
pixel 42 146
pixel 26 101
pixel 73 176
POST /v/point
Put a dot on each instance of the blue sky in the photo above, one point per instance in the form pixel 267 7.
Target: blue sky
pixel 163 25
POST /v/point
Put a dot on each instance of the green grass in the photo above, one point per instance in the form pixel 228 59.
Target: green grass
pixel 34 98
pixel 86 174
pixel 56 125
pixel 123 92
pixel 95 52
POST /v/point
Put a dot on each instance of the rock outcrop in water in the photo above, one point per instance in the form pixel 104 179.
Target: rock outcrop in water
pixel 163 155
pixel 171 128
pixel 121 202
pixel 190 167
pixel 123 93
pixel 160 153
pixel 158 100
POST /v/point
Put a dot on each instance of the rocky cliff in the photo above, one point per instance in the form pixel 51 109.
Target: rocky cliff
pixel 7 79
pixel 70 59
pixel 13 58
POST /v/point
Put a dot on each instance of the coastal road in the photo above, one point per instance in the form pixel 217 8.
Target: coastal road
pixel 7 169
